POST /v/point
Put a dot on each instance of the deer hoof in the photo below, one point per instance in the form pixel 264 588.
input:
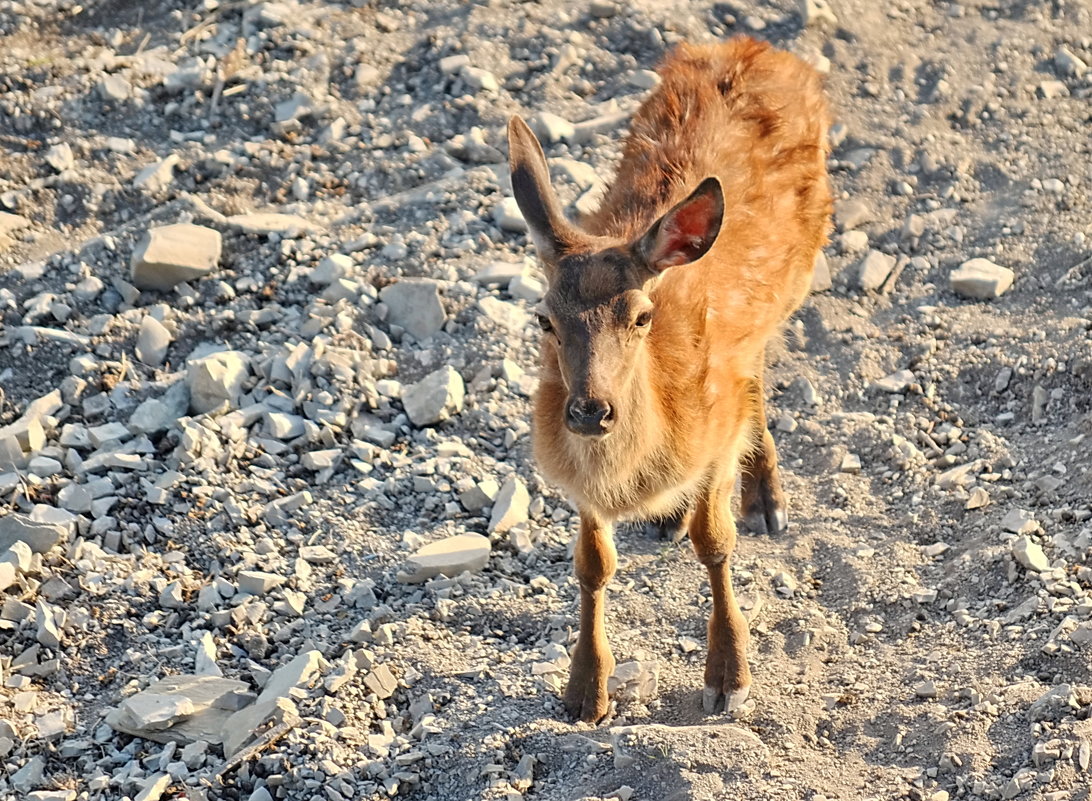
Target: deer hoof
pixel 710 698
pixel 715 699
pixel 587 702
pixel 768 518
pixel 735 699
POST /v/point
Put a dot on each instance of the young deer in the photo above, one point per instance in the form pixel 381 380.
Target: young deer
pixel 659 308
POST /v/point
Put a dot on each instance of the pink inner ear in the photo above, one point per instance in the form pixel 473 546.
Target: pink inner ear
pixel 683 235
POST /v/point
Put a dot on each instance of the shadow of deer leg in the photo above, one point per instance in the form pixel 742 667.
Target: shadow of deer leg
pixel 595 560
pixel 713 535
pixel 762 499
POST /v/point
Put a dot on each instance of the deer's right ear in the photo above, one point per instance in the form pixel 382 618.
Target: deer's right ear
pixel 548 227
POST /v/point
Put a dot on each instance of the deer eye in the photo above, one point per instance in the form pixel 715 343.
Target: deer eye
pixel 544 323
pixel 644 319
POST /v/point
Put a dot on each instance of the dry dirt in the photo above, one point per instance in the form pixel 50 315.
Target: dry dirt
pixel 898 646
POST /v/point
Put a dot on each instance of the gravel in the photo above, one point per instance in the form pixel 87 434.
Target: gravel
pixel 270 527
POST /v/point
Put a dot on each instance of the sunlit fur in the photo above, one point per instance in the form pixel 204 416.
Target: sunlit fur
pixel 755 118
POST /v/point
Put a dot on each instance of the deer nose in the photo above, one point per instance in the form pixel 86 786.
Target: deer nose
pixel 590 416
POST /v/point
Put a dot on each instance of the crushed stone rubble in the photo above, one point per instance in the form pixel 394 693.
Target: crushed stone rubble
pixel 269 523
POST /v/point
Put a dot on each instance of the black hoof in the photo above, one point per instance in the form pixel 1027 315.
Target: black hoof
pixel 768 519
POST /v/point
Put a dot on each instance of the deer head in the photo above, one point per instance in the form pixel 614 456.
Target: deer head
pixel 598 313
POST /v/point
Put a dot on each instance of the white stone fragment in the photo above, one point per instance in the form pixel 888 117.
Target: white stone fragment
pixel 158 176
pixel 331 268
pixel 152 341
pixel 634 681
pixel 851 463
pixel 498 272
pixel 1030 554
pixel 873 270
pixel 508 217
pixel 550 128
pixel 414 304
pixel 1018 521
pixel 1068 63
pixel 288 225
pixel 242 725
pixel 448 557
pixel 325 459
pixel 282 425
pixel 204 661
pixel 451 65
pixel 505 314
pixel 257 582
pixel 60 157
pixel 216 379
pixel 155 711
pixel 434 398
pixel 981 279
pixel 899 381
pixel 108 432
pixel 153 787
pixel 527 287
pixel 171 254
pixel 479 78
pixel 816 12
pixel 511 506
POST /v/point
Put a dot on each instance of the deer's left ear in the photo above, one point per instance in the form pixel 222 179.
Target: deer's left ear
pixel 687 231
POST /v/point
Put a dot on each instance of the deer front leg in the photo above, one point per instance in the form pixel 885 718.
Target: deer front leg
pixel 713 534
pixel 595 560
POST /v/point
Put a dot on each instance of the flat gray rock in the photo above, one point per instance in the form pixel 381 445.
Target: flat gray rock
pixel 216 379
pixel 183 709
pixel 242 725
pixel 873 270
pixel 448 557
pixel 272 223
pixel 434 398
pixel 1030 554
pixel 168 255
pixel 40 536
pixel 414 304
pixel 511 506
pixel 981 279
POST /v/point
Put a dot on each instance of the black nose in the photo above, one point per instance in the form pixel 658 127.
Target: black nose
pixel 590 416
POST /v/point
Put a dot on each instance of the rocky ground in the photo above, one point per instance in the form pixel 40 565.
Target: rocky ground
pixel 224 443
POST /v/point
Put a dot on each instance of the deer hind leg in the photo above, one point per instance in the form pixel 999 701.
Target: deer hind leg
pixel 595 560
pixel 673 527
pixel 713 535
pixel 763 500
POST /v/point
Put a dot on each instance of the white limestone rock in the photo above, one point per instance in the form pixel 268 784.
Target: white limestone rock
pixel 1030 554
pixel 152 342
pixel 414 304
pixel 981 279
pixel 448 557
pixel 873 270
pixel 435 398
pixel 242 725
pixel 216 379
pixel 511 506
pixel 168 255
